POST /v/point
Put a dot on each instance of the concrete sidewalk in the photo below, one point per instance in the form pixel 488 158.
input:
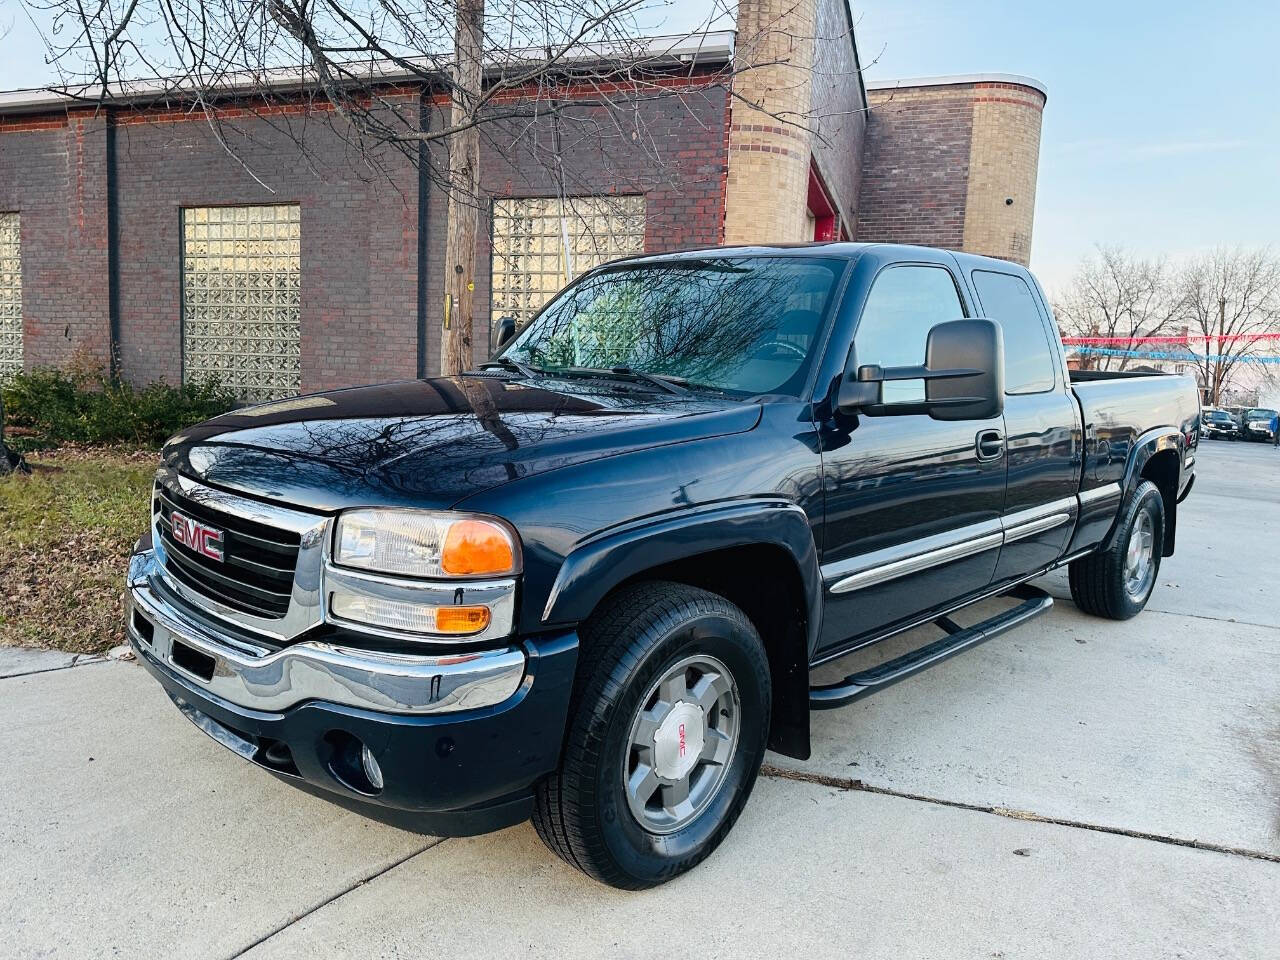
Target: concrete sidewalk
pixel 134 835
pixel 816 872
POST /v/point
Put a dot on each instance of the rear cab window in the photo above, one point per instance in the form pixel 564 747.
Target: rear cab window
pixel 1029 358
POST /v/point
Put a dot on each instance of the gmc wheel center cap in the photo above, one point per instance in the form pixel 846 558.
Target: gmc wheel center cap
pixel 678 741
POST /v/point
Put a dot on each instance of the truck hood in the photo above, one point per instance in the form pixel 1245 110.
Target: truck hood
pixel 431 443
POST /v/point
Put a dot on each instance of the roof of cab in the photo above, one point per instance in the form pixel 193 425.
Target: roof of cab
pixel 840 248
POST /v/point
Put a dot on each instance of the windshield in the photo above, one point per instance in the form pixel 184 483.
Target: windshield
pixel 1259 414
pixel 1218 416
pixel 747 325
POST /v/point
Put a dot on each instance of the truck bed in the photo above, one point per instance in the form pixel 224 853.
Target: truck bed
pixel 1119 407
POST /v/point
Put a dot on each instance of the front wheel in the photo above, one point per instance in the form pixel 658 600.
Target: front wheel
pixel 1116 582
pixel 667 731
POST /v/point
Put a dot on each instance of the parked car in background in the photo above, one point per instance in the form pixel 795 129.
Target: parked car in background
pixel 1256 424
pixel 1219 425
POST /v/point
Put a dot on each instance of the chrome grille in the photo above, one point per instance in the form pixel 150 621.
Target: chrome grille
pixel 259 561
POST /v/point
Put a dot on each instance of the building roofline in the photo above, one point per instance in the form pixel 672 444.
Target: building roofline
pixel 709 48
pixel 857 56
pixel 961 78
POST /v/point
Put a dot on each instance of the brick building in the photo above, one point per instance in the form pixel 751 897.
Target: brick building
pixel 133 232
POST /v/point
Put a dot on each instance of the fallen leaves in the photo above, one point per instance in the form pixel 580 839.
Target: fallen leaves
pixel 65 537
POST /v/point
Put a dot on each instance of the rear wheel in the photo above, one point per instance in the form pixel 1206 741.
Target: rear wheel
pixel 667 731
pixel 1117 582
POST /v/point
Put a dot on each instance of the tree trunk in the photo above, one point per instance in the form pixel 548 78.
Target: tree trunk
pixel 10 462
pixel 464 193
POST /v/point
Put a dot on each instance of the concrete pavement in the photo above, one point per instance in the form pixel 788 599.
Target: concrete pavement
pixel 125 832
pixel 816 872
pixel 17 661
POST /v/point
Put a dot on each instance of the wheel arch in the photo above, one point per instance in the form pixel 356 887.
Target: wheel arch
pixel 1157 456
pixel 758 554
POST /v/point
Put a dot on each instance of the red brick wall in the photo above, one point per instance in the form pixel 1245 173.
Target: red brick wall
pixel 359 238
pixel 916 165
pixel 53 173
pixel 359 218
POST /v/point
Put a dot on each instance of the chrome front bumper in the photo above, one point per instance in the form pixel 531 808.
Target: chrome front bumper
pixel 263 679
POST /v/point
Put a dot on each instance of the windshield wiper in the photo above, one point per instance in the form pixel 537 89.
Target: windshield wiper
pixel 668 384
pixel 515 366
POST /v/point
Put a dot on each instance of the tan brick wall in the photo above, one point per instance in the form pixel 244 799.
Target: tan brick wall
pixel 768 175
pixel 942 159
pixel 1003 162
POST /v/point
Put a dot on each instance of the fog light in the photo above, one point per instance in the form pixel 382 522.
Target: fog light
pixel 371 768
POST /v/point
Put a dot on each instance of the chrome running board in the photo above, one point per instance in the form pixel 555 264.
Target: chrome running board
pixel 957 639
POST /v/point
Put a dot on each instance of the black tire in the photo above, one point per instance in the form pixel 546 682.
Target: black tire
pixel 582 812
pixel 1099 584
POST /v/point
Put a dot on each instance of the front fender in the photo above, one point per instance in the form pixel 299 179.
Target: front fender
pixel 601 563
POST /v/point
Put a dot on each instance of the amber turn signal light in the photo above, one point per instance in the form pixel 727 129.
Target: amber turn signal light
pixel 477 547
pixel 461 619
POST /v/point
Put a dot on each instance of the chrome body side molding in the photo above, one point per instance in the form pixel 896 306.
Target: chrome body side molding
pixel 1104 492
pixel 1028 523
pixel 890 563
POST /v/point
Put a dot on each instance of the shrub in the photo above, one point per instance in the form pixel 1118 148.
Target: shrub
pixel 49 407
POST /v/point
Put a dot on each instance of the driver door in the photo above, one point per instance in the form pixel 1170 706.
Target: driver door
pixel 913 504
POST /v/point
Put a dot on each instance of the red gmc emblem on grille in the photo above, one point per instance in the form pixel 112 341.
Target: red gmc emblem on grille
pixel 204 540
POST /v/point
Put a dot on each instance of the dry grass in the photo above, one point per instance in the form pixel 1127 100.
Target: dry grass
pixel 65 536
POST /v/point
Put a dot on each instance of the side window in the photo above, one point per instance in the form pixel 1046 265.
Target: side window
pixel 903 305
pixel 1028 358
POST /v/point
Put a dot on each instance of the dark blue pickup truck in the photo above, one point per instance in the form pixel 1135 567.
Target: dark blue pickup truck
pixel 588 581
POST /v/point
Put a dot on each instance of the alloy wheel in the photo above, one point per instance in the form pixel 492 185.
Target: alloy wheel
pixel 683 739
pixel 1139 561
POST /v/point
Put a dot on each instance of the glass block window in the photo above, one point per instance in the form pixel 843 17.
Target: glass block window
pixel 10 297
pixel 529 263
pixel 241 298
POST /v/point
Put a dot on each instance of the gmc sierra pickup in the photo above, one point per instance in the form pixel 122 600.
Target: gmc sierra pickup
pixel 588 581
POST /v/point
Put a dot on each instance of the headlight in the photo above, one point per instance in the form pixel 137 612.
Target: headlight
pixel 420 543
pixel 401 572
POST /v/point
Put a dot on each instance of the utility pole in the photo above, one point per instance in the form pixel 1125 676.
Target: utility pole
pixel 464 191
pixel 1217 364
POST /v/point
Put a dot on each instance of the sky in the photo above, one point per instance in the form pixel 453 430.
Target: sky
pixel 1161 134
pixel 1162 130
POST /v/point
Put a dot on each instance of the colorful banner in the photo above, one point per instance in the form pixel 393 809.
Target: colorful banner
pixel 1185 338
pixel 1184 357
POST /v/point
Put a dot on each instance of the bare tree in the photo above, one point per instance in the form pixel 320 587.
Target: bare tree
pixel 1116 295
pixel 509 68
pixel 1229 296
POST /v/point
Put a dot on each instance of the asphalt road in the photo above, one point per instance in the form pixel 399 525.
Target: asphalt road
pixel 1078 788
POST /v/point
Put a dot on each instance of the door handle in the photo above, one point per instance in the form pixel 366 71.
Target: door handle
pixel 990 445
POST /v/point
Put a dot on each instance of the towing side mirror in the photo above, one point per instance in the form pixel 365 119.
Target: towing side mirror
pixel 963 374
pixel 506 330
